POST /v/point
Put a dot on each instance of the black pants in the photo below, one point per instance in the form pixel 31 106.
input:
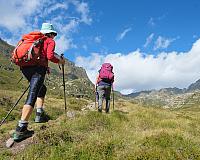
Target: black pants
pixel 35 75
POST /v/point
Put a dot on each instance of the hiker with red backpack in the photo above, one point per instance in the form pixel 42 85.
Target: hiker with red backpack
pixel 103 85
pixel 32 55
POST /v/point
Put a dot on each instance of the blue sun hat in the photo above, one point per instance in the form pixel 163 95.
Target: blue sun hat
pixel 47 28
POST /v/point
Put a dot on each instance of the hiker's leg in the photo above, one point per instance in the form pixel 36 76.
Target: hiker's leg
pixel 36 78
pixel 107 96
pixel 40 115
pixel 26 112
pixel 39 109
pixel 23 123
pixel 100 90
pixel 35 84
pixel 39 102
pixel 41 96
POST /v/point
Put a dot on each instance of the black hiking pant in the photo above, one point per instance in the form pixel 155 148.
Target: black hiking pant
pixel 35 75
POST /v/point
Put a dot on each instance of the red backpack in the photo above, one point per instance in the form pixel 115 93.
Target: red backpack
pixel 106 73
pixel 28 48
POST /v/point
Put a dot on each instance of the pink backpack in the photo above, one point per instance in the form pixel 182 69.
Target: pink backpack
pixel 106 73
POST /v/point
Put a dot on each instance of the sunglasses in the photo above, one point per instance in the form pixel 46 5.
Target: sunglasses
pixel 55 34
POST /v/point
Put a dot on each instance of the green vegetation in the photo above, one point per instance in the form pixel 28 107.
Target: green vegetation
pixel 129 132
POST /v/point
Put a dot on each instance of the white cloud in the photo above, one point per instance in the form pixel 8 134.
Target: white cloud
pixel 14 13
pixel 55 7
pixel 149 39
pixel 63 43
pixel 97 39
pixel 127 91
pixel 21 16
pixel 65 28
pixel 162 43
pixel 70 26
pixel 91 64
pixel 135 71
pixel 123 34
pixel 83 9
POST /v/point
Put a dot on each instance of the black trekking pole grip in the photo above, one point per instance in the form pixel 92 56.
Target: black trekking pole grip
pixel 63 75
pixel 14 106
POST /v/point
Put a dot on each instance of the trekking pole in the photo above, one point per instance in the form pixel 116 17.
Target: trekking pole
pixel 20 80
pixel 113 96
pixel 95 97
pixel 63 74
pixel 14 106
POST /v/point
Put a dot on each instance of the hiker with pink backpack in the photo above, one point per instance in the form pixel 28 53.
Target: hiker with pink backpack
pixel 103 85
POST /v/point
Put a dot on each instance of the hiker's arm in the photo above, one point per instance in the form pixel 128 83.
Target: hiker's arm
pixel 50 52
pixel 61 59
pixel 97 81
pixel 112 83
pixel 113 80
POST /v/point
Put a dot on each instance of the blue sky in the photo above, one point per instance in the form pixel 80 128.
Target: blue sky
pixel 151 44
pixel 174 21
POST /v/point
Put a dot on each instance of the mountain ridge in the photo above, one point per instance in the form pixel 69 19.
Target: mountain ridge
pixel 171 90
pixel 169 97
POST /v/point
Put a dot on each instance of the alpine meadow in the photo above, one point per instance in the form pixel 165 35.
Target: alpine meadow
pixel 145 103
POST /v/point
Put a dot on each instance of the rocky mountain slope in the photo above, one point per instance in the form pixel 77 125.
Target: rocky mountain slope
pixel 169 97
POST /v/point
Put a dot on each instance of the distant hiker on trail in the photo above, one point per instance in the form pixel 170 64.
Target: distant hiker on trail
pixel 103 85
pixel 34 69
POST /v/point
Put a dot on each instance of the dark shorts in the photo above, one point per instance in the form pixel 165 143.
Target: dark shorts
pixel 35 75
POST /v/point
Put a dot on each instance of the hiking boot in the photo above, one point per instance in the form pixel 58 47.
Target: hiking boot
pixel 99 110
pixel 41 117
pixel 19 136
pixel 107 111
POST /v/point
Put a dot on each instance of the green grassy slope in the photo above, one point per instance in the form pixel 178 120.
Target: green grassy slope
pixel 129 132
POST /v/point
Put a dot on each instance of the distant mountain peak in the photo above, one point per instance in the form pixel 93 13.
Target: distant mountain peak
pixel 194 86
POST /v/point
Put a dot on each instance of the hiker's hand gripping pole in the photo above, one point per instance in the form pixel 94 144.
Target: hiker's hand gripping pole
pixel 63 76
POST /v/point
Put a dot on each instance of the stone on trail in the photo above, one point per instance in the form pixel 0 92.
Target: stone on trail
pixel 70 114
pixel 10 142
